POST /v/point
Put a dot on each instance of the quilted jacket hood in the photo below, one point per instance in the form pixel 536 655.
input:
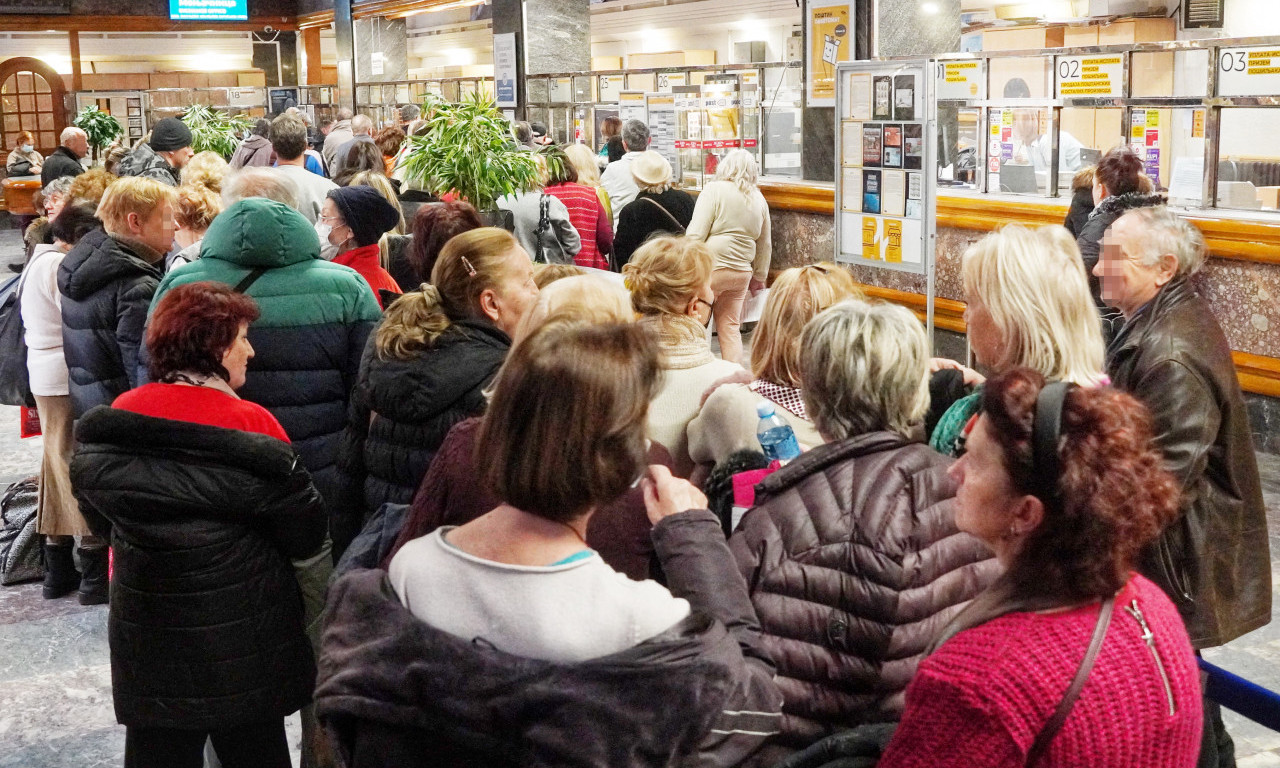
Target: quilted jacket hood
pixel 257 232
pixel 96 260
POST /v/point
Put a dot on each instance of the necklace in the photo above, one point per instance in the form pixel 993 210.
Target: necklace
pixel 575 533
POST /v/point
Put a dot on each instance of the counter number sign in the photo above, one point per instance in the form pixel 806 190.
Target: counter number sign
pixel 1089 76
pixel 1248 72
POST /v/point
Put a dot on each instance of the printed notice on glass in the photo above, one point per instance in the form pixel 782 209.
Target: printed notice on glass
pixel 851 199
pixel 661 109
pixel 859 103
pixel 631 106
pixel 894 241
pixel 504 68
pixel 962 79
pixel 1089 76
pixel 893 195
pixel 1249 72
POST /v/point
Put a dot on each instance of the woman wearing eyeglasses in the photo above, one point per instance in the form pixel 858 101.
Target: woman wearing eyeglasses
pixel 426 367
pixel 670 283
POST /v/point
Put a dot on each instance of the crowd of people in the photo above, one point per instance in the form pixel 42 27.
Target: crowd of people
pixel 465 499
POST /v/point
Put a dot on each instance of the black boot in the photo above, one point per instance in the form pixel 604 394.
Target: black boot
pixel 94 589
pixel 60 576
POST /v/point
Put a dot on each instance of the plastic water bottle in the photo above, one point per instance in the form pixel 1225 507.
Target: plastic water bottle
pixel 777 439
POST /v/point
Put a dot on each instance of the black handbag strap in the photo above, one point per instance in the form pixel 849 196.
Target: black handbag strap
pixel 663 208
pixel 249 280
pixel 544 224
pixel 1055 723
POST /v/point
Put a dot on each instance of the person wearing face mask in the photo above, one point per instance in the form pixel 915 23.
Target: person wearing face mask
pixel 426 369
pixel 670 283
pixel 207 630
pixel 24 160
pixel 163 157
pixel 315 318
pixel 352 219
pixel 107 282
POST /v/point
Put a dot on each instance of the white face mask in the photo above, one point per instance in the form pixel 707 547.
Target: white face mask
pixel 327 249
pixel 27 148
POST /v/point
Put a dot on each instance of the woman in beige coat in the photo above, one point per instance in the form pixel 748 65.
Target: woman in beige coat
pixel 732 217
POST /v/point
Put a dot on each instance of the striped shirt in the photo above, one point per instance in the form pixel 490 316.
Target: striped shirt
pixel 586 213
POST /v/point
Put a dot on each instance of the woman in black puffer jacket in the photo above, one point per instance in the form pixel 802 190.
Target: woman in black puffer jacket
pixel 426 368
pixel 207 504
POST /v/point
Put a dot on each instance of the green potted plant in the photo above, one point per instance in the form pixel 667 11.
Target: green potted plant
pixel 100 127
pixel 211 130
pixel 468 149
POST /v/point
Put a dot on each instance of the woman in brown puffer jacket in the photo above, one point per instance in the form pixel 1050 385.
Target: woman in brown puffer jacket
pixel 852 555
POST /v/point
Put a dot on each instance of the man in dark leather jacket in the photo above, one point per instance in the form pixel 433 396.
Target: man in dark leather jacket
pixel 1214 561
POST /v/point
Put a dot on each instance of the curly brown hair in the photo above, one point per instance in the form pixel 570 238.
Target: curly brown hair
pixel 1115 494
pixel 90 185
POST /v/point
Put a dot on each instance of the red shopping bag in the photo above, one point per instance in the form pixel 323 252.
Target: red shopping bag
pixel 28 422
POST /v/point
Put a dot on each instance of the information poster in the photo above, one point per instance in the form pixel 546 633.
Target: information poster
pixel 1089 76
pixel 1144 138
pixel 504 68
pixel 962 79
pixel 830 42
pixel 631 106
pixel 883 156
pixel 661 109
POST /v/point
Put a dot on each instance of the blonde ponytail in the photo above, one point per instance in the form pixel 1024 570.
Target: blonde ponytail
pixel 411 324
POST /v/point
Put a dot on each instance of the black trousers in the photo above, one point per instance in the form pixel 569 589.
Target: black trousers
pixel 253 745
pixel 1217 750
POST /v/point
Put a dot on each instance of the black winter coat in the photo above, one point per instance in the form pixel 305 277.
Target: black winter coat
pixel 393 691
pixel 106 289
pixel 855 564
pixel 1078 213
pixel 401 411
pixel 206 624
pixel 62 162
pixel 1212 561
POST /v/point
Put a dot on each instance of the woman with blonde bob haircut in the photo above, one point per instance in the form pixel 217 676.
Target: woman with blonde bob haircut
pixel 1028 305
pixel 728 420
pixel 859 534
pixel 427 366
pixel 670 283
pixel 207 169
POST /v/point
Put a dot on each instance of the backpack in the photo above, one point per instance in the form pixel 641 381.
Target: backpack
pixel 19 541
pixel 15 382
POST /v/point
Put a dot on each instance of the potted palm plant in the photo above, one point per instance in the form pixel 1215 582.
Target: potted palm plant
pixel 468 150
pixel 100 127
pixel 214 131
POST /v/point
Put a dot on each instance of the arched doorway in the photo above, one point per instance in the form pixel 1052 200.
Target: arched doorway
pixel 31 99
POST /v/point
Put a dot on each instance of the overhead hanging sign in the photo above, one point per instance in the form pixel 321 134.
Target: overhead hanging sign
pixel 962 79
pixel 561 90
pixel 1249 72
pixel 610 87
pixel 669 80
pixel 1100 76
pixel 208 10
pixel 504 68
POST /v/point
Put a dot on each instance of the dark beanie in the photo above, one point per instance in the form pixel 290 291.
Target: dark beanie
pixel 366 211
pixel 170 134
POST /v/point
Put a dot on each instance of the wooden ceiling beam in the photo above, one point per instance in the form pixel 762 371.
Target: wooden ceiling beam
pixel 30 23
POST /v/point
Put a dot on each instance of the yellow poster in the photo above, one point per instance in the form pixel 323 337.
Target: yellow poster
pixel 893 237
pixel 830 42
pixel 1197 124
pixel 870 243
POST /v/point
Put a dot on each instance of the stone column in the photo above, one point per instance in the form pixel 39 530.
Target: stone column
pixel 344 37
pixel 551 36
pixel 882 29
pixel 381 50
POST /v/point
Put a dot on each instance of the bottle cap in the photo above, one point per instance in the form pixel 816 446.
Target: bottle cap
pixel 765 410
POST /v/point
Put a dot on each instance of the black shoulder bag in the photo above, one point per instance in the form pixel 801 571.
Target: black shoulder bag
pixel 15 380
pixel 544 224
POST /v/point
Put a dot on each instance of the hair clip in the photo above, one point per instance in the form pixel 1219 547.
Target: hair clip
pixel 471 270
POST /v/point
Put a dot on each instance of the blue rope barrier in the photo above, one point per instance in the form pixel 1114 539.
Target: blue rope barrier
pixel 1239 695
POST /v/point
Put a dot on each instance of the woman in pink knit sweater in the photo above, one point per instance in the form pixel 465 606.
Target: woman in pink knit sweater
pixel 1064 485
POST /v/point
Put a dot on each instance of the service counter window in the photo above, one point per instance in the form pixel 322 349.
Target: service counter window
pixel 1249 158
pixel 780 121
pixel 1019 150
pixel 960 139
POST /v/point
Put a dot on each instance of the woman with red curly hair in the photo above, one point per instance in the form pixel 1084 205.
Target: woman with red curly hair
pixel 206 504
pixel 1066 486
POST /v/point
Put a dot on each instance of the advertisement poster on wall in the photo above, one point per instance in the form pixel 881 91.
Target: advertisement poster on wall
pixel 504 68
pixel 830 42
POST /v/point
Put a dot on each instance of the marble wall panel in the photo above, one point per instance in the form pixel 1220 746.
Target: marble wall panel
pixel 905 31
pixel 557 36
pixel 388 37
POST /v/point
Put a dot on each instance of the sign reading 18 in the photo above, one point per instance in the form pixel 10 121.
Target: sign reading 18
pixel 1068 68
pixel 1232 61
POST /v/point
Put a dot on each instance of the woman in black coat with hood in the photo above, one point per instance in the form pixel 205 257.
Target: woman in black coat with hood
pixel 425 369
pixel 207 504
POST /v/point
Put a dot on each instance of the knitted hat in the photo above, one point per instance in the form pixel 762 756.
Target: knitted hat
pixel 170 134
pixel 366 211
pixel 650 169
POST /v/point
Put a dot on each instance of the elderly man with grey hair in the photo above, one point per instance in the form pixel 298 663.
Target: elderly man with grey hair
pixel 339 133
pixel 259 182
pixel 361 130
pixel 1171 354
pixel 65 160
pixel 616 179
pixel 851 554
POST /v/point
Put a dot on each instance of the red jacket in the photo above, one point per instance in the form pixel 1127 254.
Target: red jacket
pixel 368 262
pixel 982 697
